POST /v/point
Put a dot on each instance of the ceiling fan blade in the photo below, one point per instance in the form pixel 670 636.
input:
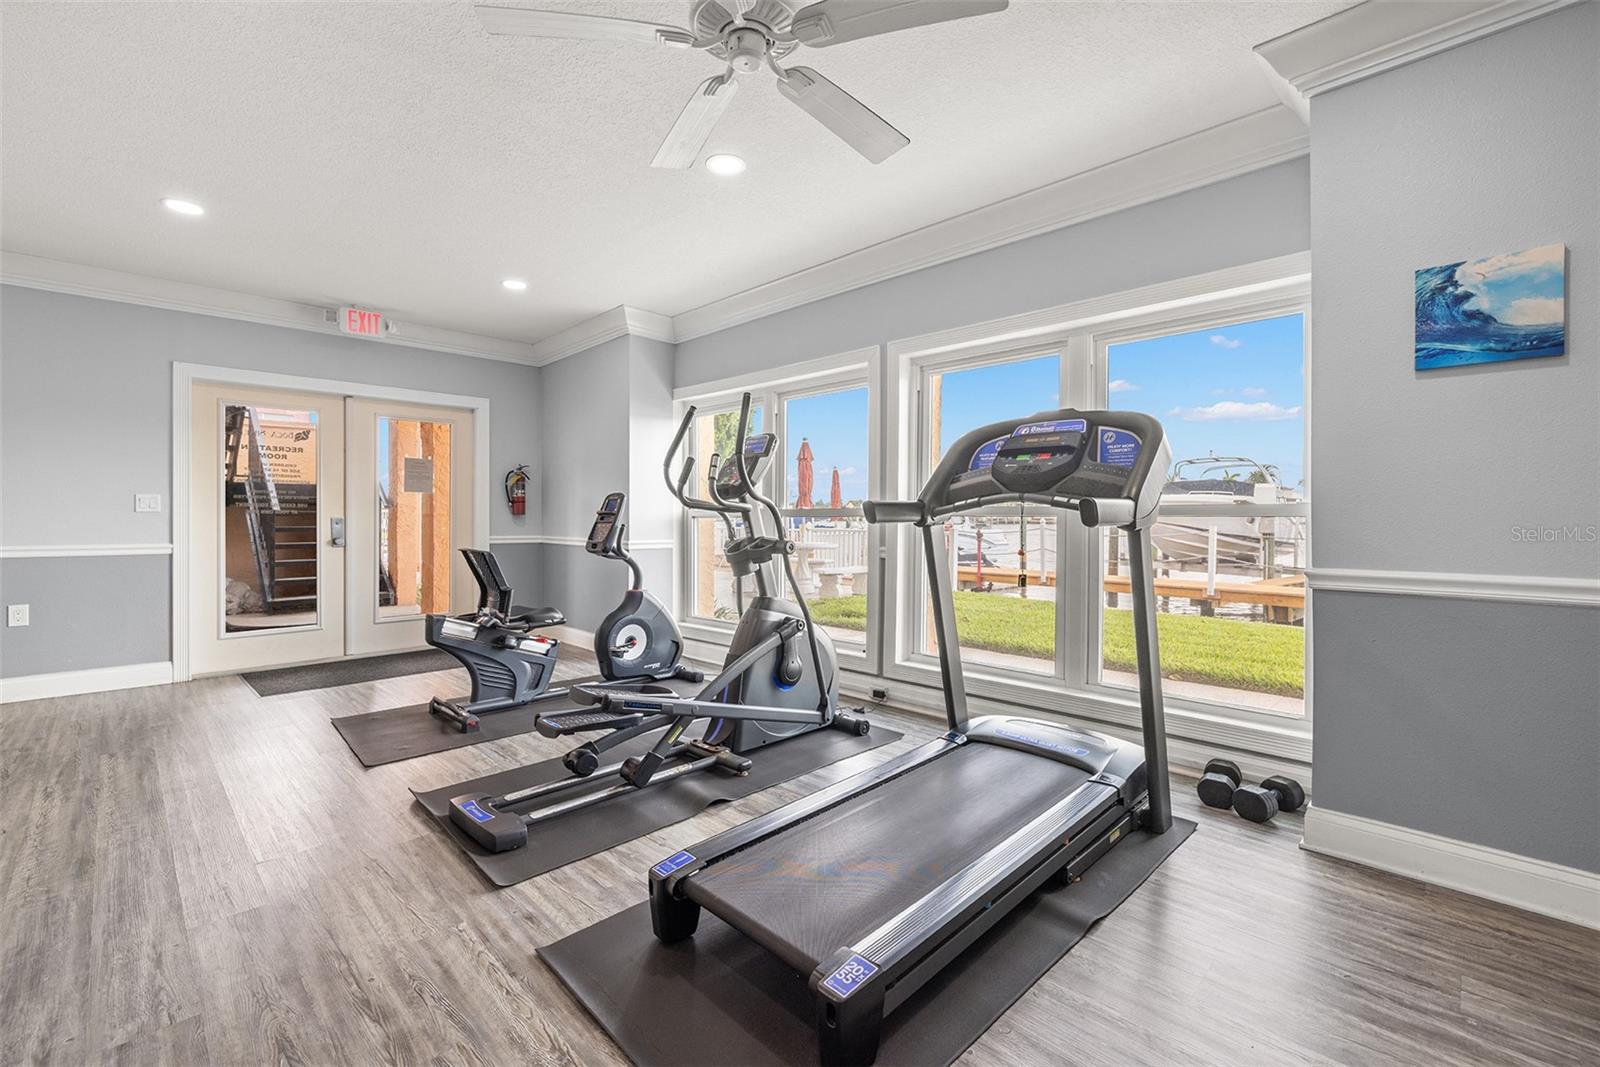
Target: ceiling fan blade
pixel 851 121
pixel 837 21
pixel 695 123
pixel 522 22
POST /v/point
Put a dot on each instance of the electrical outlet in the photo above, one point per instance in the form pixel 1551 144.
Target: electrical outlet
pixel 16 614
pixel 147 502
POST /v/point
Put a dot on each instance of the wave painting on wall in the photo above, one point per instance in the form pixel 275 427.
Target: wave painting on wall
pixel 1492 310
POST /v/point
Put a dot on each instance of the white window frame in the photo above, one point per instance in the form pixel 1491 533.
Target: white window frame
pixel 1080 332
pixel 859 368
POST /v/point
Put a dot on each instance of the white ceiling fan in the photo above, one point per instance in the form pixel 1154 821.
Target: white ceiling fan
pixel 752 36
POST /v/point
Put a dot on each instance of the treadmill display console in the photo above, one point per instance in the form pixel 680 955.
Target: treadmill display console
pixel 1066 457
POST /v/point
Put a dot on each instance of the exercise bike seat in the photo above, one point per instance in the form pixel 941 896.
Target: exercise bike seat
pixel 534 618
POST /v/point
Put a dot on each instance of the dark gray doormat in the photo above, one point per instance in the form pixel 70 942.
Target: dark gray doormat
pixel 393 734
pixel 719 998
pixel 348 672
pixel 587 831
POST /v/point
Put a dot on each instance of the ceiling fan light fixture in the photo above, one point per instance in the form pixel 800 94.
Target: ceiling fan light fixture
pixel 725 165
pixel 182 207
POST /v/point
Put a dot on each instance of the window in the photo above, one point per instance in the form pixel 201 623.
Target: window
pixel 1230 544
pixel 1004 562
pixel 713 591
pixel 825 448
pixel 819 483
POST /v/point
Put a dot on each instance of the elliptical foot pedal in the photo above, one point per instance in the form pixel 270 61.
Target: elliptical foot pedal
pixel 454 714
pixel 572 722
pixel 497 831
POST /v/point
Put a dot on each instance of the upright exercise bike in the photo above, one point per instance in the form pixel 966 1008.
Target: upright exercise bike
pixel 511 666
pixel 780 678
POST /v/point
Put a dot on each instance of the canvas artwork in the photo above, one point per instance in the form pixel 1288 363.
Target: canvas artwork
pixel 1492 310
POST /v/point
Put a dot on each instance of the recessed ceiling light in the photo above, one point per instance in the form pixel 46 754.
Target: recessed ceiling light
pixel 516 285
pixel 182 207
pixel 725 165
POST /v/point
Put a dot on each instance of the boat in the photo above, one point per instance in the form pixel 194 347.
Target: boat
pixel 1226 481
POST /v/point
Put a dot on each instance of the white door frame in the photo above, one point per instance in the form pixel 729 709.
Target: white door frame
pixel 184 377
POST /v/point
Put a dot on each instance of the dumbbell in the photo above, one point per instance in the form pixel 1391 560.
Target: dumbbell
pixel 1217 786
pixel 1259 803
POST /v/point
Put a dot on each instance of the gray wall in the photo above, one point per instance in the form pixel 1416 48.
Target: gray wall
pixel 85 423
pixel 1253 217
pixel 1463 718
pixel 606 418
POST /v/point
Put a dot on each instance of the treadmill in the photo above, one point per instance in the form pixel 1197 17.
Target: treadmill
pixel 873 885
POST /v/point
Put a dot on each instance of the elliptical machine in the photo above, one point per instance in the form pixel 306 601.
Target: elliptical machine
pixel 510 666
pixel 780 678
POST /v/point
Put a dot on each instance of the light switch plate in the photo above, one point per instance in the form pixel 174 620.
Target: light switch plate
pixel 16 614
pixel 147 502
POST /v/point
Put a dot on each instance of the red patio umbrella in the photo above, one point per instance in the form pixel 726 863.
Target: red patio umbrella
pixel 835 498
pixel 803 496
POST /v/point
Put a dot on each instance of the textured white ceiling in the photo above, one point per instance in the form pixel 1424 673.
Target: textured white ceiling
pixel 395 155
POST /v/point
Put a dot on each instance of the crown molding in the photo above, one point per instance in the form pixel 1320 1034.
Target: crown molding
pixel 1373 37
pixel 77 279
pixel 620 321
pixel 1245 144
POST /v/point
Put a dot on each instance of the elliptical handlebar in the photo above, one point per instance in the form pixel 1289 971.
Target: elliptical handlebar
pixel 753 491
pixel 677 488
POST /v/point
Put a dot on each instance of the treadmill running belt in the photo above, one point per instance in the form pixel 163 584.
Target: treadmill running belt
pixel 720 999
pixel 825 882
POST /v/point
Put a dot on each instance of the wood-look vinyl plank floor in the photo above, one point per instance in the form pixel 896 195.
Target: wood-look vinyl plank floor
pixel 194 874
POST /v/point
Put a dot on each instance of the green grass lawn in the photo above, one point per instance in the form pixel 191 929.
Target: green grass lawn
pixel 1260 657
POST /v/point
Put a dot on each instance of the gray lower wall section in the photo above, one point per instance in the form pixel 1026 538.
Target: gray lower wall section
pixel 587 587
pixel 1471 719
pixel 86 612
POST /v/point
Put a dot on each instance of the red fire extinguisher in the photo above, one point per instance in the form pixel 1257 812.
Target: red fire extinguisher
pixel 517 490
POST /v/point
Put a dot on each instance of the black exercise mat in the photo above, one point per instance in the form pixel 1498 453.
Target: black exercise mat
pixel 586 831
pixel 719 998
pixel 394 734
pixel 348 672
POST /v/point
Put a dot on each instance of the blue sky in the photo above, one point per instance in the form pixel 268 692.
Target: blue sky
pixel 1522 289
pixel 1236 391
pixel 836 426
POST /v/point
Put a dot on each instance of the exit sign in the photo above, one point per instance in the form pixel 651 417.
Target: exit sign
pixel 361 322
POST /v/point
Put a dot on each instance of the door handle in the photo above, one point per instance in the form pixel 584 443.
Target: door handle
pixel 336 532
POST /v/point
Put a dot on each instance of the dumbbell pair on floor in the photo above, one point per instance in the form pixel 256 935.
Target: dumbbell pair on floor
pixel 1221 787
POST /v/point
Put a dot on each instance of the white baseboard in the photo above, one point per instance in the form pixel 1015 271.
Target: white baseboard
pixel 1521 881
pixel 97 680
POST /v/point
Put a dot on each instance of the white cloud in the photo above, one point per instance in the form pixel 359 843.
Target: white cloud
pixel 1533 311
pixel 1548 257
pixel 1122 385
pixel 1223 341
pixel 1221 392
pixel 1261 411
pixel 845 472
pixel 1253 390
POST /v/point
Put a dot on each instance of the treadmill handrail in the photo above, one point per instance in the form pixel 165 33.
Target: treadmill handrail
pixel 1094 511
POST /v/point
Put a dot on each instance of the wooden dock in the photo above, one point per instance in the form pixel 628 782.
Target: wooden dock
pixel 1284 598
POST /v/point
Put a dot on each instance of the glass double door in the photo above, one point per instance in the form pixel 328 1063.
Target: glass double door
pixel 322 525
